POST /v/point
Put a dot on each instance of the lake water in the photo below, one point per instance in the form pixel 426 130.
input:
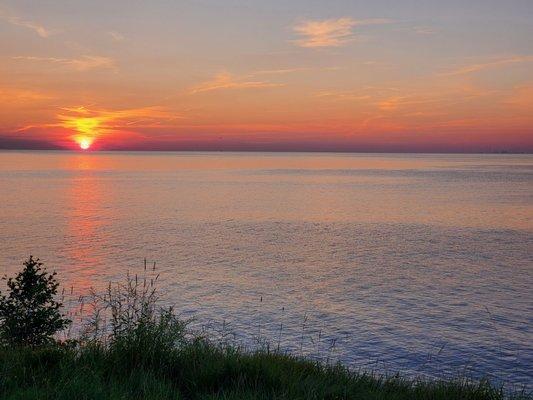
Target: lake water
pixel 414 263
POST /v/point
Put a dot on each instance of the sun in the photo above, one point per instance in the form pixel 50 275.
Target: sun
pixel 84 143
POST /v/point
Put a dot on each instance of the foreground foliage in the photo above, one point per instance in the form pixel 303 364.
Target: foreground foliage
pixel 29 313
pixel 199 370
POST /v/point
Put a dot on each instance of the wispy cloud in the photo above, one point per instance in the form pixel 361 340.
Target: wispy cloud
pixel 93 122
pixel 91 62
pixel 331 32
pixel 22 95
pixel 472 68
pixel 424 30
pixel 34 26
pixel 342 95
pixel 87 125
pixel 83 63
pixel 70 117
pixel 285 71
pixel 392 103
pixel 225 80
pixel 280 71
pixel 116 36
pixel 521 98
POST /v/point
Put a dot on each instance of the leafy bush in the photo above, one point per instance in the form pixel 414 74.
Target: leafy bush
pixel 29 313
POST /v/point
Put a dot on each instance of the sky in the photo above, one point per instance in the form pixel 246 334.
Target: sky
pixel 277 75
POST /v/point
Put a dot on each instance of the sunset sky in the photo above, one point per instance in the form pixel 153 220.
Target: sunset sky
pixel 340 75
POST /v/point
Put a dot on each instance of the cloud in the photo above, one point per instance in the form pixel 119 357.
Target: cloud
pixel 82 63
pixel 87 62
pixel 521 98
pixel 116 36
pixel 330 32
pixel 280 71
pixel 22 95
pixel 225 80
pixel 109 115
pixel 392 103
pixel 37 28
pixel 424 30
pixel 92 123
pixel 468 69
pixel 292 70
pixel 87 125
pixel 342 95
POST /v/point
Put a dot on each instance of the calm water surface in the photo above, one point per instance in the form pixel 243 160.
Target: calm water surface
pixel 413 263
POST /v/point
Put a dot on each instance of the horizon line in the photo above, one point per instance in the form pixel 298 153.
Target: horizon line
pixel 95 151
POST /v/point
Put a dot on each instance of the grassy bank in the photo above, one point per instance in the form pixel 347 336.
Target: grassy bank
pixel 199 370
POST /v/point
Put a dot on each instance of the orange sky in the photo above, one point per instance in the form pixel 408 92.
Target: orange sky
pixel 243 76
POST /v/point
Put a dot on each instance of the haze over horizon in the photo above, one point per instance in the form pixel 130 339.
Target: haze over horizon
pixel 381 76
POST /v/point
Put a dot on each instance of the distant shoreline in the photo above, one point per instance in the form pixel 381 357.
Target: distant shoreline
pixel 61 150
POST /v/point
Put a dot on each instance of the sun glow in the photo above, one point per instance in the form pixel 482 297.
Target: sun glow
pixel 84 142
pixel 87 128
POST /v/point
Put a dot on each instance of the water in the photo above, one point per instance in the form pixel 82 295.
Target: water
pixel 413 263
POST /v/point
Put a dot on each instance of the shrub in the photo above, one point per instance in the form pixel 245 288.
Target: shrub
pixel 29 313
pixel 127 320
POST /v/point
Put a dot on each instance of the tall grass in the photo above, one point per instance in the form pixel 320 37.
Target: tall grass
pixel 131 348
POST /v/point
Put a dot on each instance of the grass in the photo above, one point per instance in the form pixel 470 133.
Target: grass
pixel 130 348
pixel 201 370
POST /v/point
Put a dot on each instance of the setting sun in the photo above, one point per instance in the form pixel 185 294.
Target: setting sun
pixel 85 143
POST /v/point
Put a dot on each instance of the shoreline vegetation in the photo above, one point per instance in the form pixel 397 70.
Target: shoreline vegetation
pixel 129 347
